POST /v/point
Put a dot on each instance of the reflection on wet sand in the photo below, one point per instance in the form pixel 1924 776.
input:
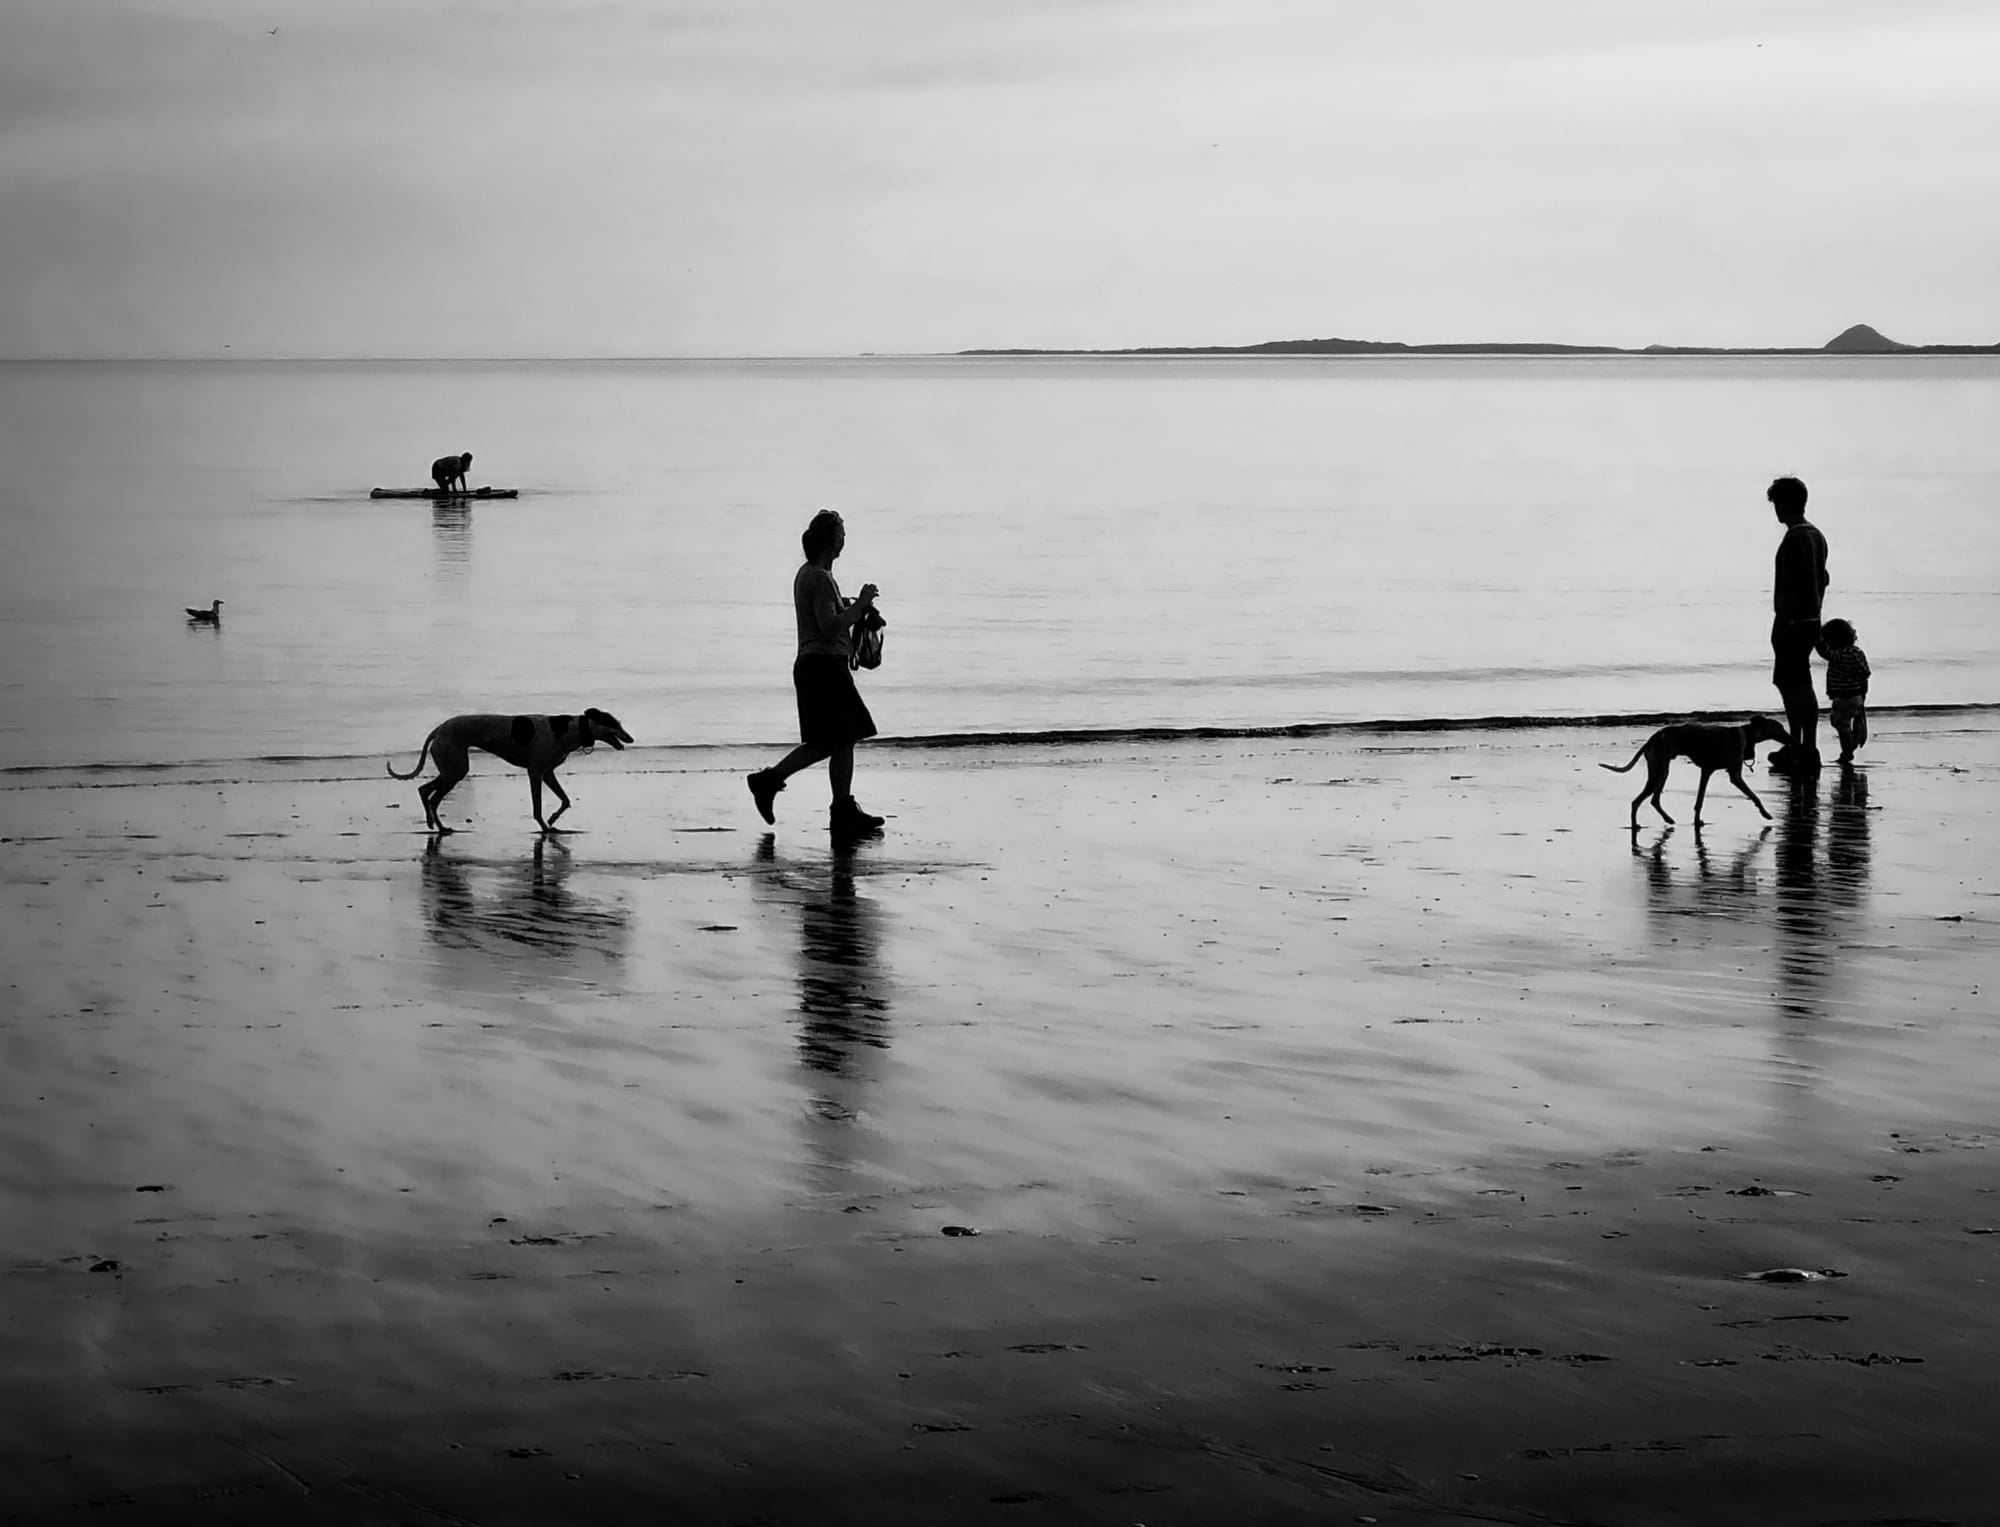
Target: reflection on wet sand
pixel 1721 886
pixel 1804 944
pixel 844 999
pixel 1816 896
pixel 518 908
pixel 1847 847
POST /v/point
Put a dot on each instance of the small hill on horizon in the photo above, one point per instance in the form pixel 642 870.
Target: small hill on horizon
pixel 1861 339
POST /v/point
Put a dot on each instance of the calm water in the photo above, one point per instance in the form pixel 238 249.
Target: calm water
pixel 1060 543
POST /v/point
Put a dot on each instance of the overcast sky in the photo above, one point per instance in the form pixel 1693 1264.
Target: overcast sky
pixel 804 177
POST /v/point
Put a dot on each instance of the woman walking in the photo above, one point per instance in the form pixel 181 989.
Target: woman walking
pixel 832 715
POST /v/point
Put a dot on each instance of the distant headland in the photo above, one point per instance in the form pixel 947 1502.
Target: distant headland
pixel 1858 340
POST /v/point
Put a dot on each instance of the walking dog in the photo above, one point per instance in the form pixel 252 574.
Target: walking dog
pixel 534 743
pixel 1709 748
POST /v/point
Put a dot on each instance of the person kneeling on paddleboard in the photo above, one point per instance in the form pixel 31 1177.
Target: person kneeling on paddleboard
pixel 448 472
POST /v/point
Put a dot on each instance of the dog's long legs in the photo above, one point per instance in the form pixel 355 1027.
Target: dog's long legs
pixel 1700 795
pixel 1736 779
pixel 452 767
pixel 1656 781
pixel 548 777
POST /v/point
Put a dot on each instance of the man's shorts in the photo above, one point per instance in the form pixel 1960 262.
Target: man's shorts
pixel 1792 645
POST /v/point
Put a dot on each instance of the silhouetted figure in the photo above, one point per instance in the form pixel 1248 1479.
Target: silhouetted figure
pixel 538 744
pixel 832 715
pixel 448 472
pixel 212 616
pixel 1798 585
pixel 1846 686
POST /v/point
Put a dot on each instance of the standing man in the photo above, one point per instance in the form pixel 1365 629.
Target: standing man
pixel 1796 590
pixel 448 472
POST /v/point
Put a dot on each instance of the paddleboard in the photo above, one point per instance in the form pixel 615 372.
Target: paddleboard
pixel 440 493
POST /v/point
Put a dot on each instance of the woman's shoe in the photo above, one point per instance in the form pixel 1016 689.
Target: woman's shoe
pixel 848 818
pixel 762 789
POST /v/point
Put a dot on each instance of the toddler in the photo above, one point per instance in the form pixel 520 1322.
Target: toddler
pixel 1846 685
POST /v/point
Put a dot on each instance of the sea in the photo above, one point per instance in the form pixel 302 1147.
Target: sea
pixel 1064 544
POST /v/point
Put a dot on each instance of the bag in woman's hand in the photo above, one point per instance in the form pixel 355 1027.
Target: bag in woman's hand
pixel 868 641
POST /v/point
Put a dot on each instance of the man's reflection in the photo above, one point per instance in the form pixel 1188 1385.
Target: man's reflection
pixel 1805 940
pixel 451 533
pixel 1814 892
pixel 521 908
pixel 844 999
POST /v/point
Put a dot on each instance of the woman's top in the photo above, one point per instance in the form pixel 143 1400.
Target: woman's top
pixel 1846 671
pixel 823 622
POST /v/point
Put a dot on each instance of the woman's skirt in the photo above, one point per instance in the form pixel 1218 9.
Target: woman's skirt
pixel 831 711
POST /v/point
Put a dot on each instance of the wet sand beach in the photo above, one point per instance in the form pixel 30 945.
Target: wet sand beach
pixel 1363 1127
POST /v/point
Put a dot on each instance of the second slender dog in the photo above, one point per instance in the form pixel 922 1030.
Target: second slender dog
pixel 1709 748
pixel 534 743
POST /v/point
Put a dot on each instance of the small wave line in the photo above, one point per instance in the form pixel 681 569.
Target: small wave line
pixel 364 765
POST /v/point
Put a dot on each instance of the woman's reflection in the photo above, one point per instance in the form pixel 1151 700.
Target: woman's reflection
pixel 844 998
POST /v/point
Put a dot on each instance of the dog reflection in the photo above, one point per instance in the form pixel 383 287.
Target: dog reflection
pixel 1721 885
pixel 517 908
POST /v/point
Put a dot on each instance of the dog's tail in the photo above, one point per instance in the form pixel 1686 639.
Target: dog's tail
pixel 422 754
pixel 1621 768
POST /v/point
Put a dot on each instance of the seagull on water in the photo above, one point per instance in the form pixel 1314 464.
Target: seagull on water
pixel 212 616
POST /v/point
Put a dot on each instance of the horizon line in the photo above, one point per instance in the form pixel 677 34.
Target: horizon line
pixel 1388 350
pixel 1280 348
